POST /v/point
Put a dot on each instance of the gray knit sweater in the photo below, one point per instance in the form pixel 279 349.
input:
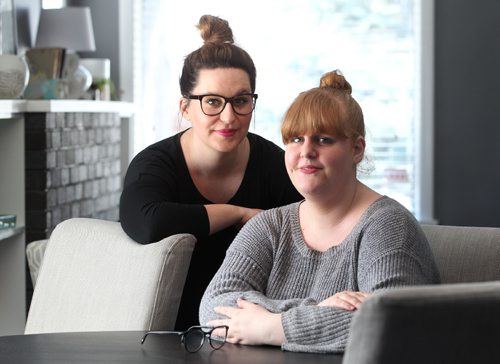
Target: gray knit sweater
pixel 269 264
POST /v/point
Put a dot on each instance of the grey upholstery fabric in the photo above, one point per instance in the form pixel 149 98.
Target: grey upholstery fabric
pixel 450 323
pixel 34 255
pixel 95 278
pixel 465 254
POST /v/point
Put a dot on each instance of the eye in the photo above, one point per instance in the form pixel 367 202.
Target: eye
pixel 213 101
pixel 325 140
pixel 241 100
pixel 296 139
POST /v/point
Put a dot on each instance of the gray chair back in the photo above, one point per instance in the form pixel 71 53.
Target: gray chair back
pixel 448 323
pixel 465 254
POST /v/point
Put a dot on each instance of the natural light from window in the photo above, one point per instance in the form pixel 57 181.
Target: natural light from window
pixel 374 43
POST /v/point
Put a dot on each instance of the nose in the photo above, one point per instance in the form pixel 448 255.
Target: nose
pixel 307 149
pixel 227 114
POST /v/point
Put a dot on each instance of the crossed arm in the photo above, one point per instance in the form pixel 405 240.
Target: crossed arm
pixel 148 212
pixel 251 324
pixel 240 299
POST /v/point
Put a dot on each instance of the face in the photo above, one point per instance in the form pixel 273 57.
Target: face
pixel 322 165
pixel 223 132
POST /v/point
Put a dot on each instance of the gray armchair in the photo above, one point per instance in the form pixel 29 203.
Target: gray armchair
pixel 95 278
pixel 456 322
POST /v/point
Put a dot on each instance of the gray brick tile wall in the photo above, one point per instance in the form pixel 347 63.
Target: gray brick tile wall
pixel 73 169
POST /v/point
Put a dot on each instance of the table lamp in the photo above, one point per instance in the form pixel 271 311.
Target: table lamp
pixel 69 28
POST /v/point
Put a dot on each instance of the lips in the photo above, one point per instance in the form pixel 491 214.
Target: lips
pixel 226 132
pixel 308 169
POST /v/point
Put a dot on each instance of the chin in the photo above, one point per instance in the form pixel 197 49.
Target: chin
pixel 309 190
pixel 304 184
pixel 228 144
pixel 225 147
pixel 306 193
pixel 305 190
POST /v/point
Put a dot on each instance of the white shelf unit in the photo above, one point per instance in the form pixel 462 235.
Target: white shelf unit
pixel 12 196
pixel 12 241
pixel 8 108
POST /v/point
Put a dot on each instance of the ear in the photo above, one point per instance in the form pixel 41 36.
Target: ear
pixel 183 108
pixel 358 148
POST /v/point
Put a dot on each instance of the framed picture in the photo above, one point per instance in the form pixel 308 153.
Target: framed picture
pixel 8 28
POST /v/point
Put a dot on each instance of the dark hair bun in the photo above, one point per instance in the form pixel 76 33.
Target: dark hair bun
pixel 335 79
pixel 215 30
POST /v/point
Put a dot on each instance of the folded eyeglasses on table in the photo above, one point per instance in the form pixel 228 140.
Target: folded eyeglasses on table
pixel 194 337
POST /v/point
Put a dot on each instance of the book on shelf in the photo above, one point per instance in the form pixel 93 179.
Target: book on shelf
pixel 45 63
pixel 7 221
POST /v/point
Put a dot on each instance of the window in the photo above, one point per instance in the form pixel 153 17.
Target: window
pixel 53 4
pixel 376 44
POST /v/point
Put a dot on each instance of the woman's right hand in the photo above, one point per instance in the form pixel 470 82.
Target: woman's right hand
pixel 222 216
pixel 247 215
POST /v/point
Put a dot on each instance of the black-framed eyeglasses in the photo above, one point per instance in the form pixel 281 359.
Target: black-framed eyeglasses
pixel 212 105
pixel 194 337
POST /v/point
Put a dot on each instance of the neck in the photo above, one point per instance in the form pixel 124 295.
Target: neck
pixel 333 210
pixel 327 223
pixel 203 160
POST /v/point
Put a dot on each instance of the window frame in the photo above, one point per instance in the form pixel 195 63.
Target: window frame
pixel 424 130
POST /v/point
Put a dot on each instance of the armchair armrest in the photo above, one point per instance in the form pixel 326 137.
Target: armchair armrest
pixel 34 255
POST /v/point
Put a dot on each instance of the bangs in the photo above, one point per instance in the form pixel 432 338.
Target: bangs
pixel 314 112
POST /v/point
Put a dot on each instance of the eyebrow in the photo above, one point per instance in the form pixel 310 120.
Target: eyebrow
pixel 217 94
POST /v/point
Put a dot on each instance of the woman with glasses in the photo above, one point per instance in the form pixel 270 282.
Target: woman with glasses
pixel 212 178
pixel 295 274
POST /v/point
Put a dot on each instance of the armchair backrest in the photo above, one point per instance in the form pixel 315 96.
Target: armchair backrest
pixel 95 278
pixel 464 253
pixel 449 323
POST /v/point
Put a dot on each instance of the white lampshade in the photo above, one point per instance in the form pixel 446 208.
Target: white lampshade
pixel 69 28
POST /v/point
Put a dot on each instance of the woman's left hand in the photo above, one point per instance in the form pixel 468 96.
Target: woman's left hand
pixel 347 300
pixel 250 324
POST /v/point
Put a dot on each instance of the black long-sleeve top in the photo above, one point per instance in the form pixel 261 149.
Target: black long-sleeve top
pixel 160 199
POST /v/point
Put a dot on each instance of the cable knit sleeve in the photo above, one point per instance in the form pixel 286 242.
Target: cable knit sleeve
pixel 247 267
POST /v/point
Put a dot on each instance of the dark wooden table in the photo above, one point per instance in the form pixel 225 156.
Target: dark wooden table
pixel 125 346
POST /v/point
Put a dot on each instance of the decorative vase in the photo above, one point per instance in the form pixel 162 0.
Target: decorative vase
pixel 78 83
pixel 14 76
pixel 100 69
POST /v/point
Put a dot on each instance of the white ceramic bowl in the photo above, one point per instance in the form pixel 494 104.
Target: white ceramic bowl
pixel 14 76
